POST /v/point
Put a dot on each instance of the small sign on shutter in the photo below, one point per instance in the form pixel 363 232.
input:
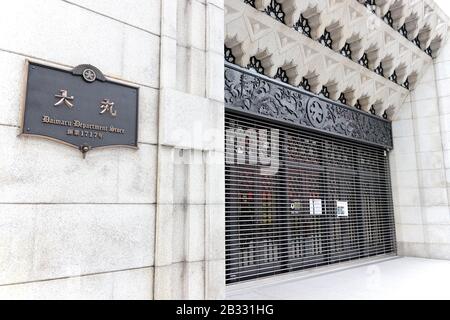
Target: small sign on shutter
pixel 296 207
pixel 342 208
pixel 315 206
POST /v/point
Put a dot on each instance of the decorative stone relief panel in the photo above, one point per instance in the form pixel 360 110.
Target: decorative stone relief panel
pixel 251 93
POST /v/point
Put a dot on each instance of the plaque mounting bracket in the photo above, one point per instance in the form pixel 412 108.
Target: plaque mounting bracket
pixel 84 150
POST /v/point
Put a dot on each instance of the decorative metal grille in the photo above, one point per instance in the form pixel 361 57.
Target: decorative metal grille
pixel 275 10
pixel 342 98
pixel 302 26
pixel 388 19
pixel 364 61
pixel 406 84
pixel 371 5
pixel 403 31
pixel 255 65
pixel 305 84
pixel 291 220
pixel 379 70
pixel 250 2
pixel 326 40
pixel 346 51
pixel 324 92
pixel 393 77
pixel 229 55
pixel 281 75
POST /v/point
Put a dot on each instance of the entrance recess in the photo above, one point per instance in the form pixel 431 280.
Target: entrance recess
pixel 298 198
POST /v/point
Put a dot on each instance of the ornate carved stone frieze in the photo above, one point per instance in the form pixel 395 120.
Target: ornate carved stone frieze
pixel 251 93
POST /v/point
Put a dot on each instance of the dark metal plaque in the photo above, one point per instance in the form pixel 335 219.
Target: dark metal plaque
pixel 80 108
pixel 260 96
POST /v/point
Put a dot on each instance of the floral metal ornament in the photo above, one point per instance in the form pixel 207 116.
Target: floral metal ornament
pixel 275 10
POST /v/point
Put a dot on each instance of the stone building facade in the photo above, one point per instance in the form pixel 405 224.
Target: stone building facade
pixel 138 224
pixel 384 57
pixel 150 223
pixel 420 165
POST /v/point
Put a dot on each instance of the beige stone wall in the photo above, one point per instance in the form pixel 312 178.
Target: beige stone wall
pixel 420 166
pixel 190 222
pixel 97 228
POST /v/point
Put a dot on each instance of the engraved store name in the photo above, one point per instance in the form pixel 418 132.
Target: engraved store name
pixel 81 125
pixel 80 108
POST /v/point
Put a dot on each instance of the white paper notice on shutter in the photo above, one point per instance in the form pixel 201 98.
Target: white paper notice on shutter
pixel 342 208
pixel 315 206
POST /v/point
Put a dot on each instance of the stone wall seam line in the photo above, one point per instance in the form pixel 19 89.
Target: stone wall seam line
pixel 111 18
pixel 77 203
pixel 62 65
pixel 75 277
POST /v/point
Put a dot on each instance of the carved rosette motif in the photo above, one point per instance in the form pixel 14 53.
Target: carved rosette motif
pixel 251 93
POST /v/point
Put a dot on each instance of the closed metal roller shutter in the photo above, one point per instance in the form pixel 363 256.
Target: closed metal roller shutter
pixel 297 200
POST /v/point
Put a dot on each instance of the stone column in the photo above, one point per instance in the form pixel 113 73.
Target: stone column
pixel 420 165
pixel 190 221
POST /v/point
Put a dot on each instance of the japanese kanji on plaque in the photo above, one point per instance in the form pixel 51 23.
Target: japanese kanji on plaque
pixel 80 107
